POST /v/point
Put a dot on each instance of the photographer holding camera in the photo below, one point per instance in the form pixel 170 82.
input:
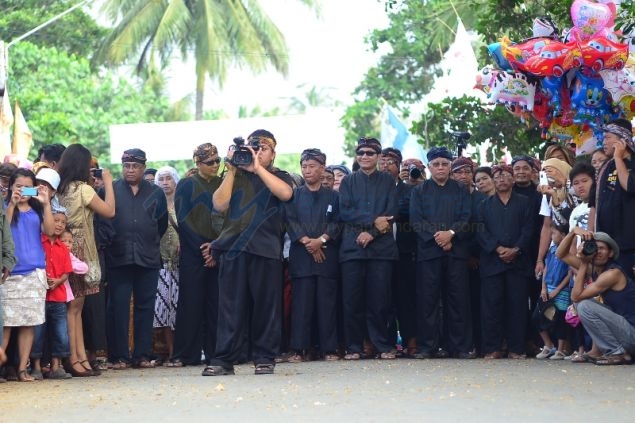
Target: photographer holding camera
pixel 611 321
pixel 250 255
pixel 412 172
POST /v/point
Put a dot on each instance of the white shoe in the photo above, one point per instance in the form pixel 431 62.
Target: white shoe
pixel 559 355
pixel 546 352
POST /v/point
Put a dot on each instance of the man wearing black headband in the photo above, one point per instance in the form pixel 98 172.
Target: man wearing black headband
pixel 440 215
pixel 198 225
pixel 312 224
pixel 134 260
pixel 614 199
pixel 368 204
pixel 249 250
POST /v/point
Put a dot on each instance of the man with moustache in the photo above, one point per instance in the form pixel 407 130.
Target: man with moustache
pixel 368 205
pixel 197 308
pixel 440 215
pixel 614 200
pixel 505 231
pixel 312 225
pixel 249 250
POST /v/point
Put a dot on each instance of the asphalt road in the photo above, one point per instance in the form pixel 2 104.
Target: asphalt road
pixel 364 391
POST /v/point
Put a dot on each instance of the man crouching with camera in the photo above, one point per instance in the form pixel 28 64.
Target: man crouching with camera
pixel 604 295
pixel 250 255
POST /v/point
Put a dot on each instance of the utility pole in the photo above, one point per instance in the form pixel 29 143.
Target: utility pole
pixel 4 48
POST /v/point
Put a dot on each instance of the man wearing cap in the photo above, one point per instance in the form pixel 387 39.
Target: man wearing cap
pixel 614 199
pixel 611 324
pixel 368 205
pixel 134 260
pixel 312 224
pixel 504 234
pixel 197 307
pixel 404 273
pixel 328 178
pixel 462 171
pixel 149 174
pixel 249 250
pixel 440 215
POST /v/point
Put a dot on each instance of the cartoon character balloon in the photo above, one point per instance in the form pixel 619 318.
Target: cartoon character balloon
pixel 589 18
pixel 591 101
pixel 507 87
pixel 619 83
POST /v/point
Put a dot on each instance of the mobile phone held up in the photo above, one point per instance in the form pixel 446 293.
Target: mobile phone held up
pixel 543 178
pixel 29 192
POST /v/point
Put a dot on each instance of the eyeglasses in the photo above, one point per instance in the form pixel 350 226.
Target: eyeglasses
pixel 361 153
pixel 211 162
pixel 135 166
pixel 440 164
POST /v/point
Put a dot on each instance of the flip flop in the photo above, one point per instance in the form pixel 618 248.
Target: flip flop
pixel 612 360
pixel 264 369
pixel 216 371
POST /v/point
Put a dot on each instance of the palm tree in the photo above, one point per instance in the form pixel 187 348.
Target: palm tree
pixel 219 34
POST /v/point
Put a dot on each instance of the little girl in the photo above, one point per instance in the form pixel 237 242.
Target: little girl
pixel 24 292
pixel 555 285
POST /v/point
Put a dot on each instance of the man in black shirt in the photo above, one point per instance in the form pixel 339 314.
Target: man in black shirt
pixel 312 224
pixel 440 215
pixel 614 200
pixel 504 234
pixel 250 258
pixel 197 309
pixel 368 205
pixel 134 260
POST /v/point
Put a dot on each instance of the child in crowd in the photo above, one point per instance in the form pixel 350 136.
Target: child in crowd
pixel 55 328
pixel 555 285
pixel 79 267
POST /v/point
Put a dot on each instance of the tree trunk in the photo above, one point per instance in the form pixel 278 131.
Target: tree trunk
pixel 200 93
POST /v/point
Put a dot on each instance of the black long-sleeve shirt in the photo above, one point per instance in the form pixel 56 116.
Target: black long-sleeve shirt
pixel 434 208
pixel 139 223
pixel 363 198
pixel 406 238
pixel 507 225
pixel 194 214
pixel 313 213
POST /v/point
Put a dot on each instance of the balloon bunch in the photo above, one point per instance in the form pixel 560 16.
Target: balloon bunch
pixel 571 84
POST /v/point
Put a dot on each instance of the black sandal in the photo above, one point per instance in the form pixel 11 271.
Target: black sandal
pixel 264 369
pixel 216 371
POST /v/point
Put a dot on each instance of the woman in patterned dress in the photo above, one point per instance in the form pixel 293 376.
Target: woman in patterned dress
pixel 81 202
pixel 168 287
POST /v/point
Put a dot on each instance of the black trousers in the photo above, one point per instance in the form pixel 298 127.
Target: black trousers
pixel 504 310
pixel 446 279
pixel 94 320
pixel 474 276
pixel 314 296
pixel 404 288
pixel 366 301
pixel 139 283
pixel 196 313
pixel 246 279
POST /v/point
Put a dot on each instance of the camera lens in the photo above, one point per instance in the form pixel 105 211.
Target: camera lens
pixel 414 172
pixel 589 248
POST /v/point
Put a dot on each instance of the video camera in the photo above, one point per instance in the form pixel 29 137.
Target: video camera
pixel 460 138
pixel 242 155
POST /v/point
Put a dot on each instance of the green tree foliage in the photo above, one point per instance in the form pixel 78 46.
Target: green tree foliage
pixel 63 102
pixel 418 34
pixel 76 33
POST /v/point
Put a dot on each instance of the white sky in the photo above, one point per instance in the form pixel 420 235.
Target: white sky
pixel 326 52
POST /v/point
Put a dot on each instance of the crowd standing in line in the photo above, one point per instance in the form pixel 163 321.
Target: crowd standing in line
pixel 379 262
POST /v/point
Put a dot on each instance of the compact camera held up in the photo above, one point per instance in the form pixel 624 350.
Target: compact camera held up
pixel 242 155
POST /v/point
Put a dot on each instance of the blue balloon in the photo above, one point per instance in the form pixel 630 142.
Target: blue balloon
pixel 496 51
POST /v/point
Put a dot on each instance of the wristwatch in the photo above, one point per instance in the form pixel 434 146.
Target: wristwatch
pixel 323 241
pixel 452 232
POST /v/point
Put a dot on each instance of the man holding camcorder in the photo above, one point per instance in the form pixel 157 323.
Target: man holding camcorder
pixel 250 255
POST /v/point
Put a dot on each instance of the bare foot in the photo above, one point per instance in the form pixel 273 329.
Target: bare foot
pixel 3 356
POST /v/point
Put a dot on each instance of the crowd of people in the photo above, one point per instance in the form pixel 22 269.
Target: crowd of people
pixel 258 265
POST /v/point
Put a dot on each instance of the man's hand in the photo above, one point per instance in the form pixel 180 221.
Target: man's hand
pixel 206 252
pixel 508 255
pixel 383 224
pixel 586 235
pixel 364 239
pixel 620 151
pixel 254 166
pixel 312 245
pixel 319 256
pixel 447 247
pixel 443 238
